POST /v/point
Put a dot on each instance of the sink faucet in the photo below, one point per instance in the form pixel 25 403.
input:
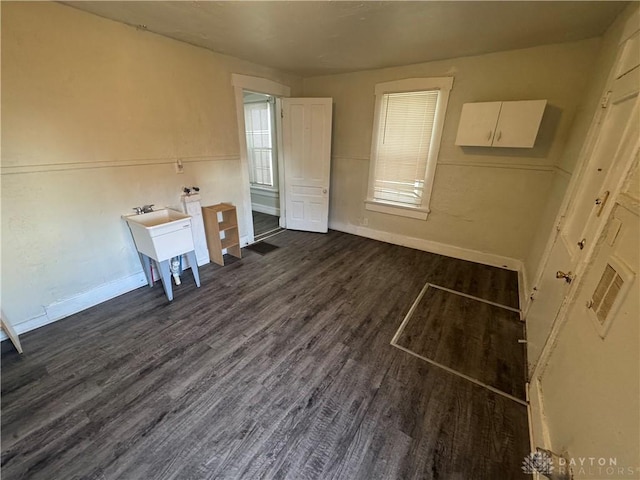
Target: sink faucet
pixel 143 209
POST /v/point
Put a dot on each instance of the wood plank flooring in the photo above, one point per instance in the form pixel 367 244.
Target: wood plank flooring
pixel 472 337
pixel 264 223
pixel 279 366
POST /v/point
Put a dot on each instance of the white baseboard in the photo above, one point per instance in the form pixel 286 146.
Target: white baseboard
pixel 538 428
pixel 257 207
pixel 69 306
pixel 523 291
pixel 31 324
pixel 431 246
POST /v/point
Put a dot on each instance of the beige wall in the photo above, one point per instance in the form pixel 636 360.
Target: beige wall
pixel 485 199
pixel 94 115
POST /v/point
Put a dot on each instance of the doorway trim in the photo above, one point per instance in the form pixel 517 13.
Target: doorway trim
pixel 268 87
pixel 627 151
pixel 584 158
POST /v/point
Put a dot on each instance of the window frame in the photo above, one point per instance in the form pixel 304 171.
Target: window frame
pixel 444 85
pixel 273 186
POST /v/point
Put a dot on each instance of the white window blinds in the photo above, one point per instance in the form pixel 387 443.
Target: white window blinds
pixel 404 139
pixel 257 118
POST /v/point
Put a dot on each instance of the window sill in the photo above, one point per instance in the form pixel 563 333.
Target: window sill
pixel 264 189
pixel 393 209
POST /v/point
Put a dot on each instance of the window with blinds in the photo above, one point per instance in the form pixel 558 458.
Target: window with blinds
pixel 405 132
pixel 258 126
pixel 409 118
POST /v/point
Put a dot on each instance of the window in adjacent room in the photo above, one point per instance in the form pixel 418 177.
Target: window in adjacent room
pixel 409 116
pixel 258 117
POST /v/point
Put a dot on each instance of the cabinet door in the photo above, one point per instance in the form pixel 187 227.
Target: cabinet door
pixel 518 123
pixel 478 124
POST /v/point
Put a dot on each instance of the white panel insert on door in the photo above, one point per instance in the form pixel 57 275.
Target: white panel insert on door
pixel 306 134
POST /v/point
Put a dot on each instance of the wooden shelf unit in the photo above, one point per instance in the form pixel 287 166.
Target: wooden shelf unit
pixel 221 228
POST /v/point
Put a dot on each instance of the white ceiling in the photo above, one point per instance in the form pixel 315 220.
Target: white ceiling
pixel 321 37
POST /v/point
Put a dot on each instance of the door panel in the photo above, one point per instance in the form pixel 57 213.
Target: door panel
pixel 601 174
pixel 306 134
pixel 601 166
pixel 551 292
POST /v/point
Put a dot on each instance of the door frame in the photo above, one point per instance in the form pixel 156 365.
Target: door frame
pixel 539 429
pixel 584 159
pixel 628 148
pixel 241 83
pixel 627 152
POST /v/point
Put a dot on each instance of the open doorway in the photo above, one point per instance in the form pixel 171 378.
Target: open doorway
pixel 262 157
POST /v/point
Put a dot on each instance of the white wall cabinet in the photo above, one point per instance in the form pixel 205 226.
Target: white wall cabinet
pixel 500 124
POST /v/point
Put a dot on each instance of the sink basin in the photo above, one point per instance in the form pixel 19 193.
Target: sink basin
pixel 162 234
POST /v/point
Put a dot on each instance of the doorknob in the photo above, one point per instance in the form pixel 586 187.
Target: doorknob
pixel 324 190
pixel 568 277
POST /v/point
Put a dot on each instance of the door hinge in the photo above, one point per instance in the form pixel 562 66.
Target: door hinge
pixel 281 113
pixel 604 102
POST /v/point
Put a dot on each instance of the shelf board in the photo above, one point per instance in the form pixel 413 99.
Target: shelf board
pixel 221 207
pixel 229 242
pixel 223 226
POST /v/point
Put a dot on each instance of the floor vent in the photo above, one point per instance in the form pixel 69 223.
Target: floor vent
pixel 606 293
pixel 609 293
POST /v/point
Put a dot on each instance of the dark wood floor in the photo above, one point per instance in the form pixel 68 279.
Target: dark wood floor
pixel 263 223
pixel 472 337
pixel 279 366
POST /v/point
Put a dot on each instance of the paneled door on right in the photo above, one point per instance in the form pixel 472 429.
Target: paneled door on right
pixel 602 173
pixel 306 137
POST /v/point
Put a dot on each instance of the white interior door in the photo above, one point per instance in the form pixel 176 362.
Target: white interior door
pixel 306 136
pixel 600 176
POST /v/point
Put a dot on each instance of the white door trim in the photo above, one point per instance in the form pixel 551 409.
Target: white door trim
pixel 629 149
pixel 258 85
pixel 630 28
pixel 280 152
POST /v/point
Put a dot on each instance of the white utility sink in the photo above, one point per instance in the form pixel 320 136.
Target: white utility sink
pixel 162 234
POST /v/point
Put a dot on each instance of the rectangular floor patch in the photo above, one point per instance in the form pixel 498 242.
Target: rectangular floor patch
pixel 262 248
pixel 467 336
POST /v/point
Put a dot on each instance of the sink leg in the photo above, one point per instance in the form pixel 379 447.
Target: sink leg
pixel 146 266
pixel 165 275
pixel 194 266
